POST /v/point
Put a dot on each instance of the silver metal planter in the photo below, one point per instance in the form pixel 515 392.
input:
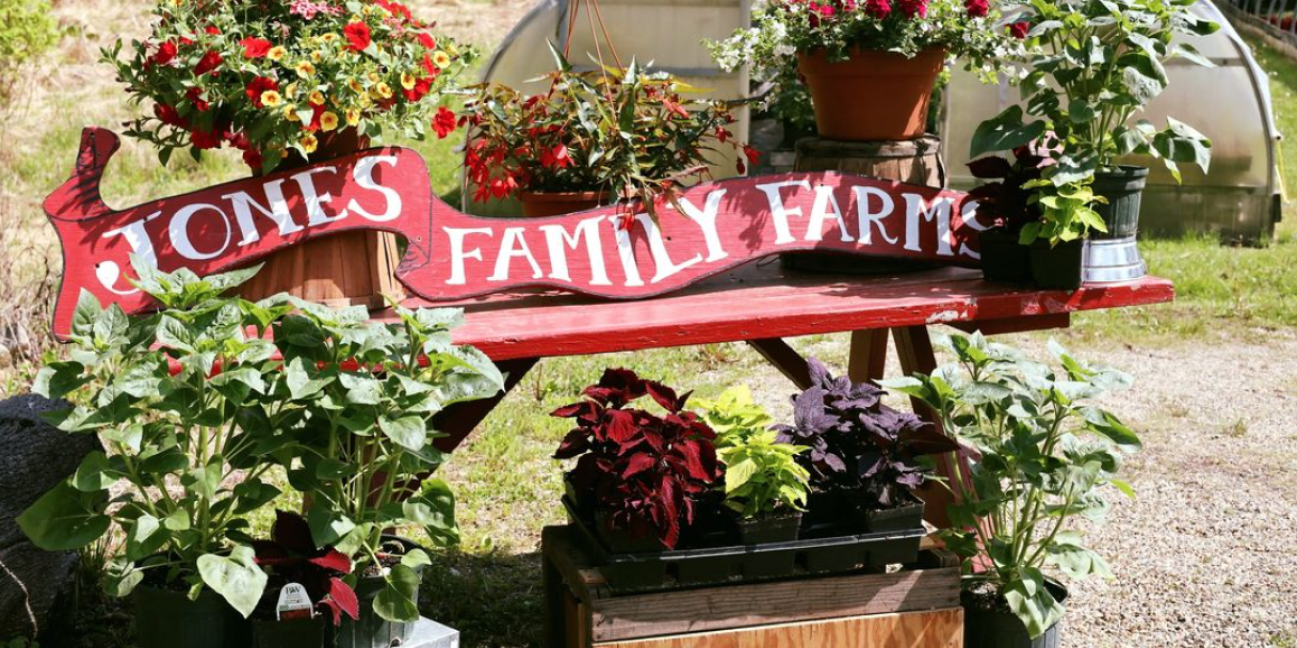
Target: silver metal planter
pixel 1112 261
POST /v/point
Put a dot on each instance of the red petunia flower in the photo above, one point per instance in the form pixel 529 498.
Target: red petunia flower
pixel 977 8
pixel 252 158
pixel 210 61
pixel 202 139
pixel 426 40
pixel 165 54
pixel 420 90
pixel 1019 30
pixel 258 86
pixel 212 30
pixel 195 96
pixel 443 122
pixel 914 8
pixel 255 47
pixel 358 36
pixel 881 8
pixel 169 116
pixel 317 112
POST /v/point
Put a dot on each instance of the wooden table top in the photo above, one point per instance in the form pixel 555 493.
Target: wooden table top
pixel 764 300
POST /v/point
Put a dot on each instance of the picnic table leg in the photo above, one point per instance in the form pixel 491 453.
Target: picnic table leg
pixel 459 420
pixel 786 359
pixel 868 358
pixel 914 349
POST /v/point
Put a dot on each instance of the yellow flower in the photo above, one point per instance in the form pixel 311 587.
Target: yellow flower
pixel 290 114
pixel 328 121
pixel 291 90
pixel 374 78
pixel 305 69
pixel 407 81
pixel 450 47
pixel 384 90
pixel 317 98
pixel 441 59
pixel 364 100
pixel 317 55
pixel 271 98
pixel 355 86
pixel 329 37
pixel 277 52
pixel 308 143
pixel 353 116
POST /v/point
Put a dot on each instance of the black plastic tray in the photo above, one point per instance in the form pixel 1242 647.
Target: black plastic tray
pixel 740 563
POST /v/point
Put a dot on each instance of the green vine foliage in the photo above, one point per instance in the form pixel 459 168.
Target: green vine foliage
pixel 1043 456
pixel 197 402
pixel 1096 64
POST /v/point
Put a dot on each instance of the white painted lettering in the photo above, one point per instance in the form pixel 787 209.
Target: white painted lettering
pixel 869 219
pixel 458 255
pixel 559 241
pixel 938 210
pixel 277 212
pixel 512 245
pixel 314 200
pixel 824 199
pixel 778 212
pixel 178 229
pixel 705 218
pixel 364 175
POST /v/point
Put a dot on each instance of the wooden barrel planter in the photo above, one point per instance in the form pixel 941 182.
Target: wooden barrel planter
pixel 916 162
pixel 345 269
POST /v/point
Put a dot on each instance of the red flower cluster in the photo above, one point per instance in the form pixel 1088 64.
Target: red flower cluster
pixel 255 48
pixel 358 36
pixel 914 8
pixel 165 54
pixel 1019 30
pixel 977 8
pixel 879 9
pixel 443 122
pixel 258 86
pixel 210 61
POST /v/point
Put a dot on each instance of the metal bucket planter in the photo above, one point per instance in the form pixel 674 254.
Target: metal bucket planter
pixel 166 619
pixel 289 633
pixel 1114 256
pixel 1001 629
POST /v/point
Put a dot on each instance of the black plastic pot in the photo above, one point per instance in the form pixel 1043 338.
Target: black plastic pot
pixel 773 528
pixel 371 630
pixel 1123 186
pixel 166 619
pixel 1004 260
pixel 1058 267
pixel 900 518
pixel 1001 629
pixel 290 633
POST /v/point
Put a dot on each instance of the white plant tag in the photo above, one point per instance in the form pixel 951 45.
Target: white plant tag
pixel 294 603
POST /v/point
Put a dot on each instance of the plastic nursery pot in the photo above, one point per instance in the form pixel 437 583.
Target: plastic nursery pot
pixel 289 633
pixel 999 628
pixel 1123 187
pixel 1058 267
pixel 872 95
pixel 622 541
pixel 536 204
pixel 1003 259
pixel 166 619
pixel 899 518
pixel 371 630
pixel 781 527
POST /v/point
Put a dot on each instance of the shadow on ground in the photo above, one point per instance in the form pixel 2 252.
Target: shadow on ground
pixel 494 599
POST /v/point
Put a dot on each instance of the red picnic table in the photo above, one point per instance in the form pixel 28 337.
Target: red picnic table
pixel 761 304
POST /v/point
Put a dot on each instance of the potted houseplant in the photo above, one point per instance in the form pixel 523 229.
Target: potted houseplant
pixel 1094 68
pixel 286 83
pixel 592 138
pixel 864 457
pixel 292 560
pixel 765 487
pixel 1042 457
pixel 644 474
pixel 870 66
pixel 365 394
pixel 183 399
pixel 1037 228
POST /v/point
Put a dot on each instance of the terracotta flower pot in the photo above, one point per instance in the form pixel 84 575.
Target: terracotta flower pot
pixel 536 204
pixel 355 268
pixel 872 95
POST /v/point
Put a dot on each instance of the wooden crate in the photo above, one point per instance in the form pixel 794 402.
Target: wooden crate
pixel 917 607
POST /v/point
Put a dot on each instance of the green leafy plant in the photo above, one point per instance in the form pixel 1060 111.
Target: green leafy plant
pixel 1041 456
pixel 734 416
pixel 365 395
pixel 1094 65
pixel 627 132
pixel 26 31
pixel 182 400
pixel 762 476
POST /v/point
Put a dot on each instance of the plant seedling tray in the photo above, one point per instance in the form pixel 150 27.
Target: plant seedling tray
pixel 627 572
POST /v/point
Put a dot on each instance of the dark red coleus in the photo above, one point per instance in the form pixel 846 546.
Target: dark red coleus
pixel 290 556
pixel 647 471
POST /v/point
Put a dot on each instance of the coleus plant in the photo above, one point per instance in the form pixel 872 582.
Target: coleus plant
pixel 762 476
pixel 647 471
pixel 734 415
pixel 858 445
pixel 290 556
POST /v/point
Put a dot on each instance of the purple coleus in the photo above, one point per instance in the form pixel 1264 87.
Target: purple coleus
pixel 290 556
pixel 646 471
pixel 856 443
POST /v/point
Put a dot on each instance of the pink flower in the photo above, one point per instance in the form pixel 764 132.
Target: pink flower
pixel 977 8
pixel 308 9
pixel 881 8
pixel 914 8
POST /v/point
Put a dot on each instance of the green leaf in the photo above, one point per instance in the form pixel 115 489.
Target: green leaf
pixel 327 527
pixel 738 474
pixel 410 432
pixel 236 577
pixel 65 518
pixel 434 509
pixel 416 558
pixel 86 313
pixel 396 601
pixel 144 537
pixel 121 579
pixel 362 390
pixel 1003 132
pixel 204 481
pixel 95 473
pixel 1123 486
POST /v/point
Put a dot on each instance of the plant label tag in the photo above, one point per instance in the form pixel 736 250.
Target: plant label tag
pixel 294 603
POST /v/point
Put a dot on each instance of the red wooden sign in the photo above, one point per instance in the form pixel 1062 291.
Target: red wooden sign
pixel 606 252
